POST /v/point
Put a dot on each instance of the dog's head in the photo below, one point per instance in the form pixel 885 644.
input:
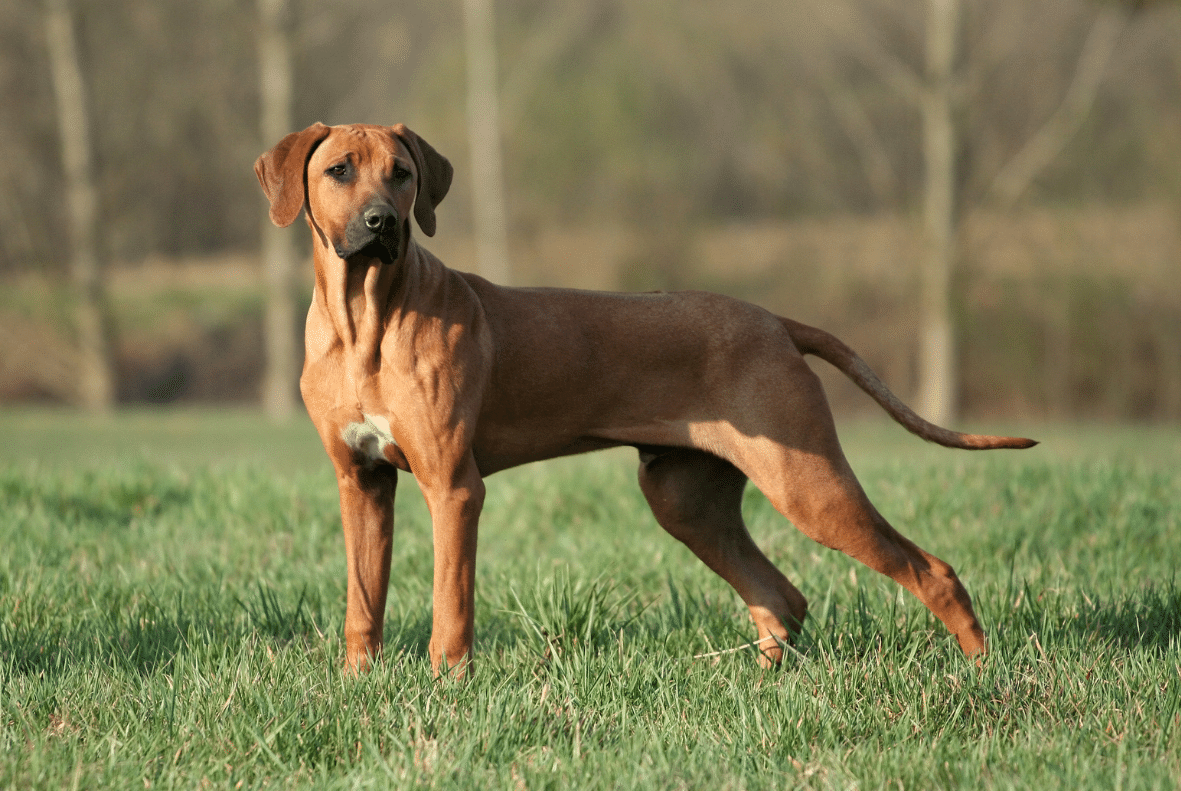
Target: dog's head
pixel 358 183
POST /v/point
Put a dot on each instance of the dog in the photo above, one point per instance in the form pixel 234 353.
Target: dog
pixel 413 366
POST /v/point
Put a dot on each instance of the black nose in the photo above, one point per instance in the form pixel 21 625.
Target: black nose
pixel 380 219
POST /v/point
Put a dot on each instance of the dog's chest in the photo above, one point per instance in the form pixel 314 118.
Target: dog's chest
pixel 369 438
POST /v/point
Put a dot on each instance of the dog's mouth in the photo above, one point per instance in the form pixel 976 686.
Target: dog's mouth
pixel 383 248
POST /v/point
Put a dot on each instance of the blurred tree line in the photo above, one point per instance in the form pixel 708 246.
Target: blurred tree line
pixel 658 117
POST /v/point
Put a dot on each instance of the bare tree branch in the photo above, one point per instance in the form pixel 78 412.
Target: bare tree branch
pixel 857 125
pixel 1040 150
pixel 845 24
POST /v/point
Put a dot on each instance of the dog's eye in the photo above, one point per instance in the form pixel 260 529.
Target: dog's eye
pixel 401 173
pixel 338 172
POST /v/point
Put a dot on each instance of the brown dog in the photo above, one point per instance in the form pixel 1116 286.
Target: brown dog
pixel 412 366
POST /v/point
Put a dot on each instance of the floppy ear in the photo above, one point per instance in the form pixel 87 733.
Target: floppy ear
pixel 434 177
pixel 281 172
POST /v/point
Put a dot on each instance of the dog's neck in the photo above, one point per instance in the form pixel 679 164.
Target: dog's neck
pixel 364 297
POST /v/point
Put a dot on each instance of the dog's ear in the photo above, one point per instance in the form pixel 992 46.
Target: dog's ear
pixel 434 177
pixel 282 172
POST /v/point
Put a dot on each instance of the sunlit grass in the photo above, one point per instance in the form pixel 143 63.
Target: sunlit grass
pixel 171 617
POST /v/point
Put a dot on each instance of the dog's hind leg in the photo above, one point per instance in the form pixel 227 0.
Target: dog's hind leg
pixel 794 457
pixel 834 511
pixel 697 498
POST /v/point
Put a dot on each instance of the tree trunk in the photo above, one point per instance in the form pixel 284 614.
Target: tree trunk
pixel 95 381
pixel 938 392
pixel 278 252
pixel 483 115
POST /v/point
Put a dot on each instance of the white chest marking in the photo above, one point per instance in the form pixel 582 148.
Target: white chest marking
pixel 369 438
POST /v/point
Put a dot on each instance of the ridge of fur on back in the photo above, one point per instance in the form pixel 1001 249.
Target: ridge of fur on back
pixel 826 346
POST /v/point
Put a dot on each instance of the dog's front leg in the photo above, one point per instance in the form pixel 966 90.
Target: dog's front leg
pixel 455 504
pixel 367 515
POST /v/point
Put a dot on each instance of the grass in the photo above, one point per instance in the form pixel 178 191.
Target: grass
pixel 172 598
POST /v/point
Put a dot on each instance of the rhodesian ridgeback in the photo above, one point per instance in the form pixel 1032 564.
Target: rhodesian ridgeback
pixel 413 366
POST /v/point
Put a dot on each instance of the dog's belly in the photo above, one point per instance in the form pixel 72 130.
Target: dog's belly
pixel 504 445
pixel 494 456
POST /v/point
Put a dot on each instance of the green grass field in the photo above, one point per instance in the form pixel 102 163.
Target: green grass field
pixel 172 598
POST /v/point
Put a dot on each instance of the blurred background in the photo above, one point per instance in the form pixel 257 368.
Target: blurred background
pixel 983 197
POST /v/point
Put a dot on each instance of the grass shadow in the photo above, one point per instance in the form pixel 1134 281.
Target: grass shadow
pixel 100 499
pixel 409 633
pixel 144 636
pixel 1147 620
pixel 137 645
pixel 270 617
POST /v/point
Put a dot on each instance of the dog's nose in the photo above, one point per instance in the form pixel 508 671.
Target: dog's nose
pixel 379 218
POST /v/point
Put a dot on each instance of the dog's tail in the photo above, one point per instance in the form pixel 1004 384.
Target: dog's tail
pixel 815 341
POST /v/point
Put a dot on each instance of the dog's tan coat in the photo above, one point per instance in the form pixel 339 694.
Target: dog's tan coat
pixel 474 378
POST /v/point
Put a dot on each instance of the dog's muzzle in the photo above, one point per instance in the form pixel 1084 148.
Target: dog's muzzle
pixel 373 232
